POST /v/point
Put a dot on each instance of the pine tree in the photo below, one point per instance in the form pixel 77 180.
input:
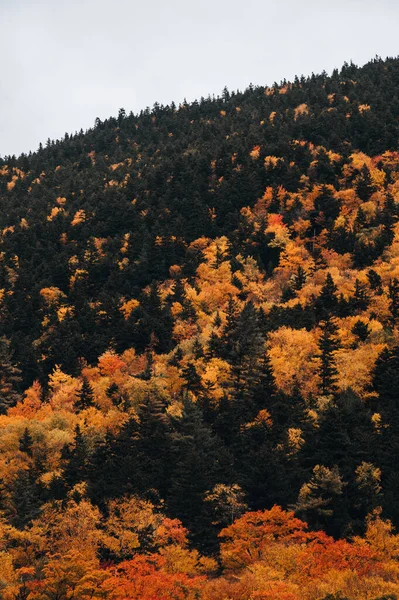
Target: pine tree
pixel 153 445
pixel 364 185
pixel 375 281
pixel 299 279
pixel 319 501
pixel 26 442
pixel 193 380
pixel 199 462
pixel 24 498
pixel 104 470
pixel 75 460
pixel 361 330
pixel 9 378
pixel 360 299
pixel 85 397
pixel 328 345
pixel 198 350
pixel 393 294
pixel 328 302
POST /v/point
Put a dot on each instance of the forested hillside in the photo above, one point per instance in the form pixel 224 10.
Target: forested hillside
pixel 199 352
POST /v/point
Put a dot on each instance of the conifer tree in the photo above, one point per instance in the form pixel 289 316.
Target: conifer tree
pixel 75 459
pixel 328 302
pixel 328 345
pixel 10 377
pixel 26 442
pixel 200 461
pixel 85 397
pixel 364 186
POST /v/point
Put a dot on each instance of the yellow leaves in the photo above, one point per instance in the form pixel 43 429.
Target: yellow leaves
pixel 215 376
pixel 58 379
pixel 364 108
pixel 61 200
pixel 378 177
pixel 125 244
pixel 302 109
pixel 376 420
pixel 333 156
pixel 292 257
pixel 130 522
pixel 79 274
pixel 262 418
pixel 295 439
pixel 272 161
pixel 79 217
pixel 355 367
pixel 284 88
pixel 128 307
pixel 116 166
pixel 55 211
pixel 63 312
pixel 11 185
pixel 9 229
pixel 275 225
pixel 359 159
pixel 52 296
pixel 291 353
pixel 181 560
pixel 222 113
pixel 74 528
pixel 255 153
pixel 272 116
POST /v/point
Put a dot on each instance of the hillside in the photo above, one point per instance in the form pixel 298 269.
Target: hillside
pixel 199 321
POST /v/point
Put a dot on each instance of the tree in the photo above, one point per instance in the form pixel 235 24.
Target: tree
pixel 10 377
pixel 364 185
pixel 85 397
pixel 318 500
pixel 199 462
pixel 247 540
pixel 361 330
pixel 26 442
pixel 75 459
pixel 328 345
pixel 375 281
pixel 327 303
pixel 227 503
pixel 393 294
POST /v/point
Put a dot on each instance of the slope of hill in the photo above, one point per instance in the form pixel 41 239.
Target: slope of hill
pixel 199 308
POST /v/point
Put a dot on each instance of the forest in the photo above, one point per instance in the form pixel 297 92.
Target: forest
pixel 199 350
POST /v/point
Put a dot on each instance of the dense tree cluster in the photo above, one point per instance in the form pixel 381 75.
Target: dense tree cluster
pixel 199 321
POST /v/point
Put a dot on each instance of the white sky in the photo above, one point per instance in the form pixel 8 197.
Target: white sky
pixel 65 62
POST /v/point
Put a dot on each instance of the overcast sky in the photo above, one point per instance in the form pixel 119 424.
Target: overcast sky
pixel 65 62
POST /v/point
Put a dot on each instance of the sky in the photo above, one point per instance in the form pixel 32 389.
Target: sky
pixel 64 63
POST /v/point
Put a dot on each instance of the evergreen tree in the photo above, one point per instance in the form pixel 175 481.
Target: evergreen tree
pixel 327 303
pixel 393 293
pixel 24 498
pixel 375 281
pixel 364 185
pixel 75 460
pixel 152 448
pixel 85 397
pixel 10 377
pixel 200 462
pixel 320 500
pixel 328 345
pixel 26 442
